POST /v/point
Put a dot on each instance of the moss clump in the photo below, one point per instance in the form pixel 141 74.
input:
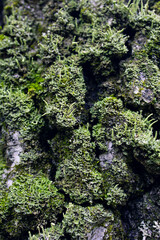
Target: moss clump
pixel 64 93
pixel 84 223
pixel 140 81
pixel 152 46
pixel 137 133
pixel 18 110
pixel 79 222
pixel 107 112
pixel 18 46
pixel 18 113
pixel 30 201
pixel 123 136
pixel 49 47
pixel 142 18
pixel 119 179
pixel 127 129
pixel 101 49
pixel 76 174
pixel 106 109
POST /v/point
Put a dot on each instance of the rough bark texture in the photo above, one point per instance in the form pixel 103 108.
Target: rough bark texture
pixel 80 116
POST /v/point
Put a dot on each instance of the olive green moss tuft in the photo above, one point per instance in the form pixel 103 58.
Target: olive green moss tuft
pixel 31 200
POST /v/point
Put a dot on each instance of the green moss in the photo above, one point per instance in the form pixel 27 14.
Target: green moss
pixel 64 93
pixel 7 10
pixel 119 181
pixel 30 192
pixel 152 45
pixel 99 133
pixel 4 204
pixel 115 196
pixel 79 221
pixel 133 135
pixel 2 158
pixel 101 47
pixel 140 81
pixel 54 232
pixel 16 55
pixel 16 27
pixel 49 47
pixel 29 197
pixel 106 109
pixel 156 7
pixel 17 108
pixel 76 174
pixel 35 86
pixel 6 43
pixel 2 36
pixel 137 133
pixel 20 114
pixel 83 223
pixel 145 19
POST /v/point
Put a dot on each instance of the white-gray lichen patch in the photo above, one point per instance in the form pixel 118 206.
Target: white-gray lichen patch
pixel 13 151
pixel 106 158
